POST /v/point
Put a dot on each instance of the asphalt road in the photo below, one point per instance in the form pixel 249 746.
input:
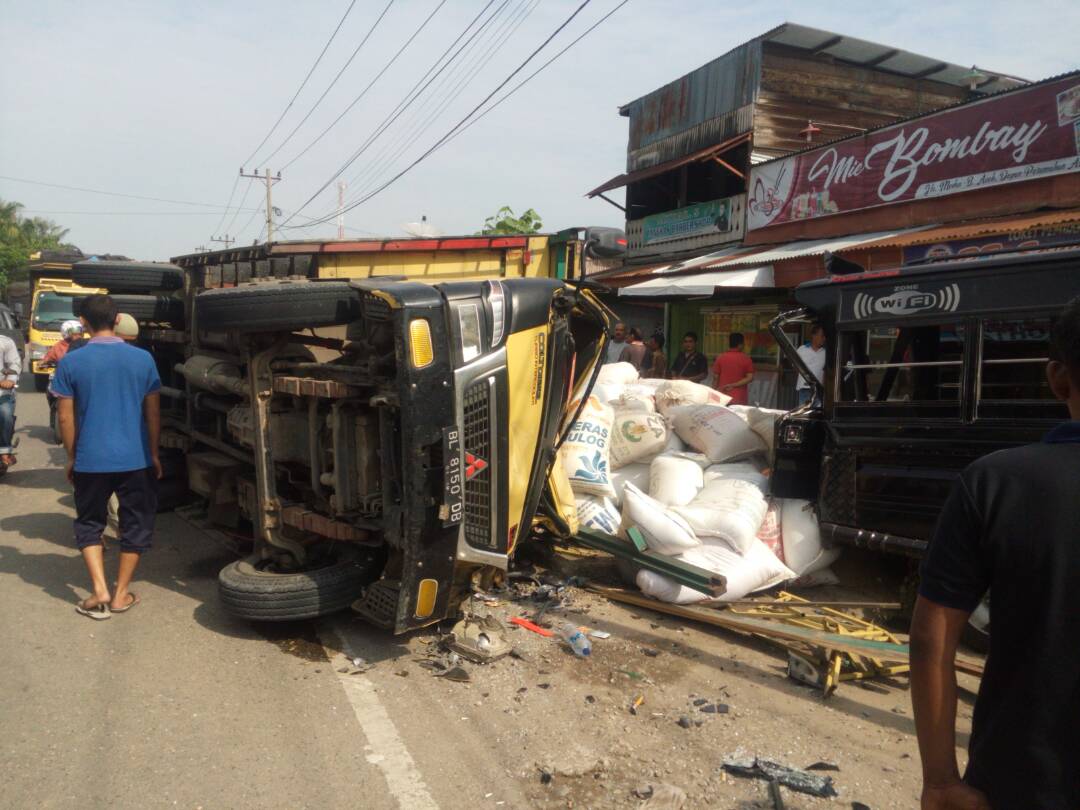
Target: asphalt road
pixel 175 704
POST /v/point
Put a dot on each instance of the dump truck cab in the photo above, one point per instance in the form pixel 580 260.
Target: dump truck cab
pixel 929 367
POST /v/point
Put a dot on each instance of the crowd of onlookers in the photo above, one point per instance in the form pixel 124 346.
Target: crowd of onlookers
pixel 732 371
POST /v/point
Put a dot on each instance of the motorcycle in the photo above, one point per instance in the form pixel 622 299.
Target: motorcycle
pixel 54 421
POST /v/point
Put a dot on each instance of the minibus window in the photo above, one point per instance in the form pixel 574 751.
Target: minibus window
pixel 909 364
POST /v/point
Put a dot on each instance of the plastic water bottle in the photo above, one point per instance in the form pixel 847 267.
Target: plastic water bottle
pixel 577 640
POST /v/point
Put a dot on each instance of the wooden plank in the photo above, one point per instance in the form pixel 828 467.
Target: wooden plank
pixel 808 604
pixel 882 650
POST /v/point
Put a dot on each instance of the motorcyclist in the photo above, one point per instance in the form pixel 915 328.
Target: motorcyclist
pixel 10 368
pixel 71 332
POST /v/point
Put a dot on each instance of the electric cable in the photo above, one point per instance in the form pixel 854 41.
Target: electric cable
pixel 107 193
pixel 469 115
pixel 330 86
pixel 363 92
pixel 432 73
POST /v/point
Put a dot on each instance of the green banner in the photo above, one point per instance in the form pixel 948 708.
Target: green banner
pixel 694 220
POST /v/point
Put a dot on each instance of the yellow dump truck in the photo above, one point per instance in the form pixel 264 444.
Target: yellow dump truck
pixel 54 301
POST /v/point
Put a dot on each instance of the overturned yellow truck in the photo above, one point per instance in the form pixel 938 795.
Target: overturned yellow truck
pixel 384 439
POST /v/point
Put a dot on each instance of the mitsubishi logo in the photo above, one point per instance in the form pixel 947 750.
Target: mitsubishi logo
pixel 474 465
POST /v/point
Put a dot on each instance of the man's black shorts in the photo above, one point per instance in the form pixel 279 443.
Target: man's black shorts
pixel 137 491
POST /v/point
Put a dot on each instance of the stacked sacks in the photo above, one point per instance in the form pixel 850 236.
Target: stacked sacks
pixel 688 472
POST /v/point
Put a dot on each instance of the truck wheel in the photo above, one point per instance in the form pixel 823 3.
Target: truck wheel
pixel 251 590
pixel 128 277
pixel 282 306
pixel 155 308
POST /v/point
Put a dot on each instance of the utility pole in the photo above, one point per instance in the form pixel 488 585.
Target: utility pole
pixel 269 180
pixel 341 209
pixel 226 241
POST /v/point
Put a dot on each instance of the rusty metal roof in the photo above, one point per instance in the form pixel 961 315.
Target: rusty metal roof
pixel 660 168
pixel 971 229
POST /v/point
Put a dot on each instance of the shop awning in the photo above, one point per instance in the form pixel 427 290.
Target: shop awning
pixel 813 247
pixel 1025 230
pixel 660 168
pixel 700 284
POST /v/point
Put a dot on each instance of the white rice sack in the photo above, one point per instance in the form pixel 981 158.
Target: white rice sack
pixel 756 570
pixel 762 421
pixel 636 435
pixel 664 588
pixel 598 514
pixel 716 431
pixel 585 451
pixel 815 579
pixel 633 402
pixel 674 443
pixel 607 393
pixel 700 459
pixel 617 374
pixel 676 393
pixel 730 510
pixel 740 470
pixel 636 474
pixel 802 538
pixel 771 533
pixel 645 385
pixel 674 481
pixel 664 532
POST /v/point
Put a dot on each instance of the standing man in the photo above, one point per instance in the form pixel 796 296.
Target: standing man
pixel 656 368
pixel 734 370
pixel 110 421
pixel 617 344
pixel 813 354
pixel 10 369
pixel 1010 526
pixel 635 350
pixel 691 364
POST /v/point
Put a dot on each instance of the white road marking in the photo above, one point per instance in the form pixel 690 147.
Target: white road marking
pixel 385 749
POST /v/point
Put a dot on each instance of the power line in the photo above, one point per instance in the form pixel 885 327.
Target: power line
pixel 225 213
pixel 128 213
pixel 415 128
pixel 303 84
pixel 107 193
pixel 330 86
pixel 363 92
pixel 532 75
pixel 412 94
pixel 472 112
pixel 242 201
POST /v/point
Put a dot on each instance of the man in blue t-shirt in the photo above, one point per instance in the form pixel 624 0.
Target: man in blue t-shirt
pixel 110 420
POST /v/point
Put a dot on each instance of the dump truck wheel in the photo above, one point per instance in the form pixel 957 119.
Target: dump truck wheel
pixel 155 308
pixel 278 306
pixel 250 591
pixel 128 277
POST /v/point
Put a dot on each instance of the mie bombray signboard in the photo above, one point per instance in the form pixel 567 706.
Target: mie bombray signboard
pixel 1022 135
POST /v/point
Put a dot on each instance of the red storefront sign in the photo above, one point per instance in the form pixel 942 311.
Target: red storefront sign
pixel 1023 135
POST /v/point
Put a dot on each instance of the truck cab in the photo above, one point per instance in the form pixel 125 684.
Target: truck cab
pixel 929 367
pixel 53 302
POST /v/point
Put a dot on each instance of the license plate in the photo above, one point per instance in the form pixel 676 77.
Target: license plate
pixel 453 479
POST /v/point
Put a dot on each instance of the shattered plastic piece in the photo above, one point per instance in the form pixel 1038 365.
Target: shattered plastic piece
pixel 666 797
pixel 601 634
pixel 522 622
pixel 701 701
pixel 793 778
pixel 479 639
pixel 684 722
pixel 823 766
pixel 636 704
pixel 715 708
pixel 457 674
pixel 859 806
pixel 650 653
pixel 629 673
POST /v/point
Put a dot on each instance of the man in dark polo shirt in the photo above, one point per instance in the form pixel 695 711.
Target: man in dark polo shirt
pixel 690 364
pixel 1011 526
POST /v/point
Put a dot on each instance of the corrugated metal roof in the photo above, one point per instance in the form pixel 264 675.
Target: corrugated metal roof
pixel 643 174
pixel 701 283
pixel 974 228
pixel 814 247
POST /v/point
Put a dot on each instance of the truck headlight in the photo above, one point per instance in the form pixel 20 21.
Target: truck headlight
pixel 420 343
pixel 38 351
pixel 793 433
pixel 469 324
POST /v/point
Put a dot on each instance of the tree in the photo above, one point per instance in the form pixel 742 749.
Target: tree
pixel 21 236
pixel 505 222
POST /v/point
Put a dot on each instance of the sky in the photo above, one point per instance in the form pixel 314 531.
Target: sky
pixel 170 99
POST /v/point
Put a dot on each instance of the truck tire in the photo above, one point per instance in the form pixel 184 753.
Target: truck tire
pixel 155 308
pixel 248 592
pixel 281 306
pixel 128 277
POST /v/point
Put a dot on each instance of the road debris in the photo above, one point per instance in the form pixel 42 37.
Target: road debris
pixel 793 778
pixel 520 621
pixel 666 797
pixel 640 699
pixel 479 638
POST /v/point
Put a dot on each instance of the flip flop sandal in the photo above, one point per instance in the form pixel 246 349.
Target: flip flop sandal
pixel 134 601
pixel 98 612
